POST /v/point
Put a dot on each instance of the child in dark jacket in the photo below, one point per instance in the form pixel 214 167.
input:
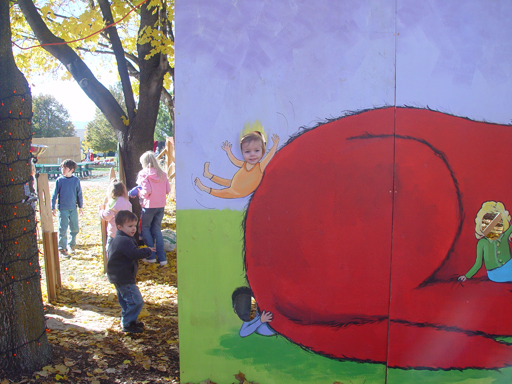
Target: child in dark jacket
pixel 122 267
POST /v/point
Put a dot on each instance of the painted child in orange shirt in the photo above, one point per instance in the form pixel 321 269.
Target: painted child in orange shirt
pixel 248 177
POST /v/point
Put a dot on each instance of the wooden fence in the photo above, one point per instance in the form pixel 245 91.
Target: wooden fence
pixel 59 149
pixel 50 244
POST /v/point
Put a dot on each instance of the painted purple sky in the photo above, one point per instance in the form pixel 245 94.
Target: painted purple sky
pixel 295 63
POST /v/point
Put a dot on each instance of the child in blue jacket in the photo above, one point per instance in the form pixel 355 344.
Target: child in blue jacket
pixel 66 196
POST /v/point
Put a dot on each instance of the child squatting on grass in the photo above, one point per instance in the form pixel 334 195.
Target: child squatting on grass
pixel 122 266
pixel 67 194
pixel 259 322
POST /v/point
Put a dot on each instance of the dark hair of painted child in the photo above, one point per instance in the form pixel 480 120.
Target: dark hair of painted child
pixel 123 217
pixel 68 163
pixel 254 136
pixel 241 300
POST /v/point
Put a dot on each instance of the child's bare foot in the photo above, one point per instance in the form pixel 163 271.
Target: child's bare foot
pixel 206 172
pixel 201 185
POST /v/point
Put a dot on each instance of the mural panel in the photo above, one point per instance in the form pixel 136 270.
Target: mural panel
pixel 438 300
pixel 323 269
pixel 342 191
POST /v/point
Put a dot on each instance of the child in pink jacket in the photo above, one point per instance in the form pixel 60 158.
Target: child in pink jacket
pixel 153 188
pixel 117 200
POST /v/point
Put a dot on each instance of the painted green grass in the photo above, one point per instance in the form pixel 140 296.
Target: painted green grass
pixel 210 268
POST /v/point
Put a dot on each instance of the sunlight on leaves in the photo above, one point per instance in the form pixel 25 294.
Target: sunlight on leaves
pixel 88 311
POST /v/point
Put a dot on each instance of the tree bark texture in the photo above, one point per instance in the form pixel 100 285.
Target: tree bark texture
pixel 24 347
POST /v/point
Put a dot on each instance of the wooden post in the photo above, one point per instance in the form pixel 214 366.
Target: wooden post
pixel 104 228
pixel 50 243
pixel 56 261
pixel 161 154
pixel 170 166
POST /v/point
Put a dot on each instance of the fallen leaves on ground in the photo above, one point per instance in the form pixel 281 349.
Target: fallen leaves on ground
pixel 88 344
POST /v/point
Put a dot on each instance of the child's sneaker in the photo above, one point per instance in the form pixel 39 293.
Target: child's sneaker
pixel 139 324
pixel 63 253
pixel 72 250
pixel 133 328
pixel 148 261
pixel 162 263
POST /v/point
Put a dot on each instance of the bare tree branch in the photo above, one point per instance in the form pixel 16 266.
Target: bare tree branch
pixel 132 71
pixel 96 51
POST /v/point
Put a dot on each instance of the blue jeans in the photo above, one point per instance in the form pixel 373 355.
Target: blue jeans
pixel 131 302
pixel 151 223
pixel 109 240
pixel 68 218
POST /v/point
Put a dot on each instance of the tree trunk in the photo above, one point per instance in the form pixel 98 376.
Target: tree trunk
pixel 24 347
pixel 141 132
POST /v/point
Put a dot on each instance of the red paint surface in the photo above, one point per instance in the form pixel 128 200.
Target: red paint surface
pixel 349 238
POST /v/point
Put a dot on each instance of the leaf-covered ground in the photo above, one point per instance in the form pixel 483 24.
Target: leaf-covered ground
pixel 88 344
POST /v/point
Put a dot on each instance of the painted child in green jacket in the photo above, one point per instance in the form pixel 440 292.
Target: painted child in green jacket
pixel 493 248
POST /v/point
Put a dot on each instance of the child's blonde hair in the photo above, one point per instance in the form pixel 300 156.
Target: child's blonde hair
pixel 495 208
pixel 148 160
pixel 115 189
pixel 254 136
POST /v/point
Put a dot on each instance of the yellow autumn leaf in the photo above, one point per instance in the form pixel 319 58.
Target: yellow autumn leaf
pixel 125 120
pixel 62 369
pixel 144 313
pixel 45 10
pixel 159 290
pixel 69 362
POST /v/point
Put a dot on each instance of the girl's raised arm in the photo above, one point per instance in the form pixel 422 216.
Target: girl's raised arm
pixel 271 153
pixel 226 146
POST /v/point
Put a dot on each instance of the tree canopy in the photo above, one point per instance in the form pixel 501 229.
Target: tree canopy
pixel 51 118
pixel 139 36
pixel 100 135
pixel 82 25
